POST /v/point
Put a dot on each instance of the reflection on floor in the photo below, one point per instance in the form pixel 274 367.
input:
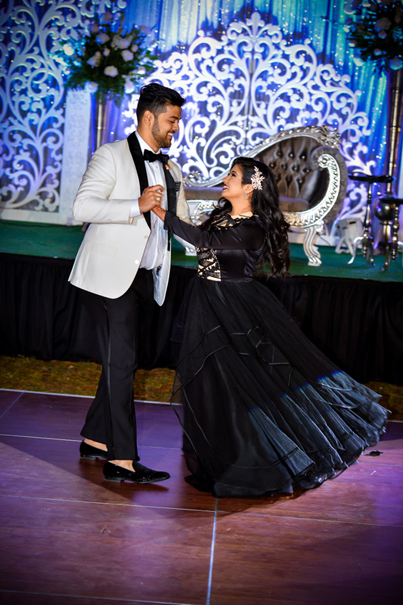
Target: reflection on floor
pixel 70 538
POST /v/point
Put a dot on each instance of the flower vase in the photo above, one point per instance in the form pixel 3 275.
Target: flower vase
pixel 102 127
pixel 103 123
pixel 387 210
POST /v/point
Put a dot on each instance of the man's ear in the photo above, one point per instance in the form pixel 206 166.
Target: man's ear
pixel 148 117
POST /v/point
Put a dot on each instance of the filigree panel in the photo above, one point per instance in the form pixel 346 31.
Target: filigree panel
pixel 32 98
pixel 241 88
pixel 250 84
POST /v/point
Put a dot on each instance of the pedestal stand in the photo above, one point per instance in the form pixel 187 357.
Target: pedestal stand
pixel 388 208
pixel 366 240
pixel 387 212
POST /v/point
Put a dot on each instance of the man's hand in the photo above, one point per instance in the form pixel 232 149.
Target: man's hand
pixel 151 197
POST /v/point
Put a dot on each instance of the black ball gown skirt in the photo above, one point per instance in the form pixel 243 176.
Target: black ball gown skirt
pixel 262 409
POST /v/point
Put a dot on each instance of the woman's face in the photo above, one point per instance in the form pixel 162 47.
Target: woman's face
pixel 233 188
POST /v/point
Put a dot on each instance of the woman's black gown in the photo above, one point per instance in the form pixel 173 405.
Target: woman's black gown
pixel 263 410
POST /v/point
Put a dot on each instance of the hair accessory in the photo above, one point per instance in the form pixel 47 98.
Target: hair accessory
pixel 257 179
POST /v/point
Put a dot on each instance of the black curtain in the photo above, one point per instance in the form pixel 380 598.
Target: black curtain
pixel 357 323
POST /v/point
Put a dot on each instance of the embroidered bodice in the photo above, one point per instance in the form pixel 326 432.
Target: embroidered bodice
pixel 228 251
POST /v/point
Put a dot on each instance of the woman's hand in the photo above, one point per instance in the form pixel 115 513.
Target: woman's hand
pixel 151 197
pixel 159 212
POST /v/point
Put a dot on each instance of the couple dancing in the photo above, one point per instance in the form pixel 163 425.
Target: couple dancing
pixel 263 411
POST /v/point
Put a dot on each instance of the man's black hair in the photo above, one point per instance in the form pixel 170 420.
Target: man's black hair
pixel 155 98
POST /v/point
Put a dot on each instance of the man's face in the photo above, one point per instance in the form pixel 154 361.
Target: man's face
pixel 165 125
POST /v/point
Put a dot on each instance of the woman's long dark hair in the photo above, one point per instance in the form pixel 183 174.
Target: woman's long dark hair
pixel 265 204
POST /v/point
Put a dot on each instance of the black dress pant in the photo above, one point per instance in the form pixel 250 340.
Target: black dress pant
pixel 111 418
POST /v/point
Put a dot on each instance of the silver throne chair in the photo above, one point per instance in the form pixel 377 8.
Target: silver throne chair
pixel 311 176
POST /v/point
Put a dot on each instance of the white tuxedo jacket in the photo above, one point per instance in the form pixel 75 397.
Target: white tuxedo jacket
pixel 111 251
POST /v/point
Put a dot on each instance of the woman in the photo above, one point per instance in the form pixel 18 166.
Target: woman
pixel 263 410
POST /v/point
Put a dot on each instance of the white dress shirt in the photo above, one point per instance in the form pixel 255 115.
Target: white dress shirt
pixel 158 240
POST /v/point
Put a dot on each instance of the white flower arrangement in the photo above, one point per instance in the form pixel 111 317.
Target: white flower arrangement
pixel 375 31
pixel 104 59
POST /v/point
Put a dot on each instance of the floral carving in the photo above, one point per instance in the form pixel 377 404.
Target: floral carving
pixel 249 85
pixel 32 100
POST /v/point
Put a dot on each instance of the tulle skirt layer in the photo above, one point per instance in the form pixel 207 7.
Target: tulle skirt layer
pixel 262 409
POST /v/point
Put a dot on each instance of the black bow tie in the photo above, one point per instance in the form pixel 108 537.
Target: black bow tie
pixel 152 157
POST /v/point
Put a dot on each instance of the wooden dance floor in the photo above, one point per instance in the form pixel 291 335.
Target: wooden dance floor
pixel 70 538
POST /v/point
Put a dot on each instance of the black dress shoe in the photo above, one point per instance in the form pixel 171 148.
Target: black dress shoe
pixel 89 452
pixel 141 474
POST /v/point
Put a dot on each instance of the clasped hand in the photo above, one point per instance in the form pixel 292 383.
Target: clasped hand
pixel 151 200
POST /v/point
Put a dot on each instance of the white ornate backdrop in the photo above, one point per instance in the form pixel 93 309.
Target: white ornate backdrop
pixel 251 84
pixel 241 87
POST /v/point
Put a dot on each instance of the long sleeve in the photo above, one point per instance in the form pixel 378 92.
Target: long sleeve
pixel 244 236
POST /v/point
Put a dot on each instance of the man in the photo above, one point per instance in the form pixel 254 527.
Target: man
pixel 123 259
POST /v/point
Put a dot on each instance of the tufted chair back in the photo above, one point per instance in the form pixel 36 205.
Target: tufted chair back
pixel 290 162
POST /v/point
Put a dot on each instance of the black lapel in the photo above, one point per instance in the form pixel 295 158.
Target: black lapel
pixel 138 160
pixel 171 191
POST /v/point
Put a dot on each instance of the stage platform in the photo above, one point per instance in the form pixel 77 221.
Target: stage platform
pixel 352 313
pixel 54 241
pixel 69 537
